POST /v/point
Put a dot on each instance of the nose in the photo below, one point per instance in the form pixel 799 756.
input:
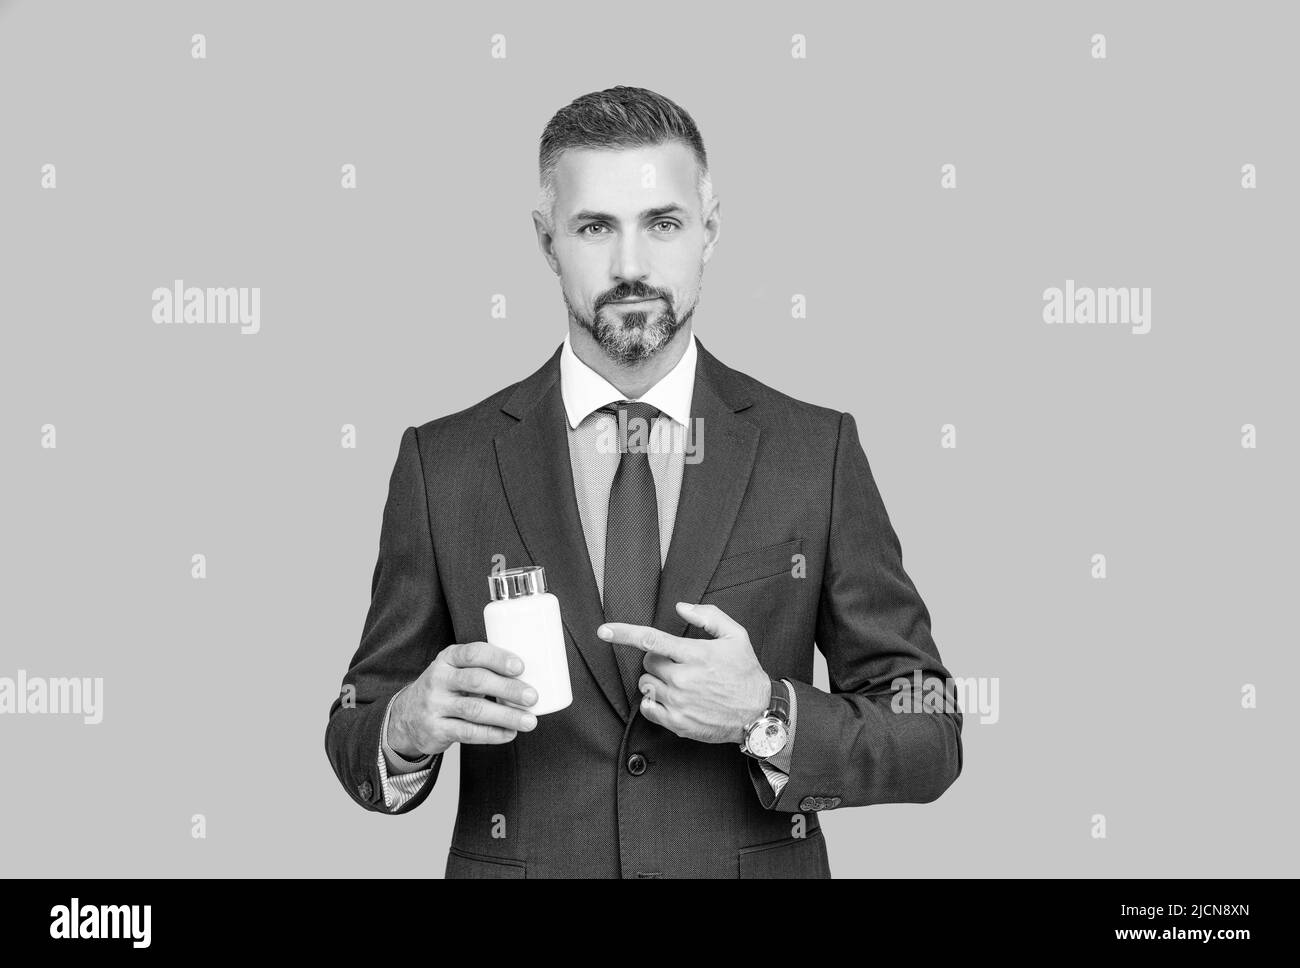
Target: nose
pixel 630 267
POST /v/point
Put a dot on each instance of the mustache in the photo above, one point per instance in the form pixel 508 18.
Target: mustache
pixel 620 294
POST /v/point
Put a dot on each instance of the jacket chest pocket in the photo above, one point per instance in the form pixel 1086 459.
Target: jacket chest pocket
pixel 750 566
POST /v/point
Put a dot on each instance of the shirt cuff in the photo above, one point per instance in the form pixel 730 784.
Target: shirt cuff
pixel 777 768
pixel 408 776
pixel 397 763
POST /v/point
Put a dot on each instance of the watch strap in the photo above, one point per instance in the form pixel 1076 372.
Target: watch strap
pixel 780 703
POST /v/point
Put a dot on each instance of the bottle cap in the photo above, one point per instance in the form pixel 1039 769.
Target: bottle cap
pixel 517 582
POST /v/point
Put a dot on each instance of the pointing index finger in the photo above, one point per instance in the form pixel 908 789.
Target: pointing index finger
pixel 645 637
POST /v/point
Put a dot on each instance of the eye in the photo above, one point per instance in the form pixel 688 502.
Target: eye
pixel 593 225
pixel 670 224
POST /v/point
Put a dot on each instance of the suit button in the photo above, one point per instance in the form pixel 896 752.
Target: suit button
pixel 366 790
pixel 807 803
pixel 636 764
pixel 833 802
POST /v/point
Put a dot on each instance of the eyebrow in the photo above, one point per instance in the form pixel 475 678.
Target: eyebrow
pixel 587 215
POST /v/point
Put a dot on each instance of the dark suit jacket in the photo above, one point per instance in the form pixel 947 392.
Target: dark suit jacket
pixel 778 478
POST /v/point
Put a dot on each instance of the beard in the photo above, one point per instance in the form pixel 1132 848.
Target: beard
pixel 631 337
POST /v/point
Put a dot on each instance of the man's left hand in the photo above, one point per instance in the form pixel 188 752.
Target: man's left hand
pixel 701 691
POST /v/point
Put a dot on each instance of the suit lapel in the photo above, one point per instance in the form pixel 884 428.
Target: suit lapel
pixel 711 489
pixel 533 457
pixel 533 460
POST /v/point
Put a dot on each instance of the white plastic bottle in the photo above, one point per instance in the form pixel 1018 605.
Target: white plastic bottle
pixel 524 618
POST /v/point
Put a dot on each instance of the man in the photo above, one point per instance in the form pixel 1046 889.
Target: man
pixel 695 745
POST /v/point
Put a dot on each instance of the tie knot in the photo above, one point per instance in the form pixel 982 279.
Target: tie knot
pixel 637 408
pixel 634 428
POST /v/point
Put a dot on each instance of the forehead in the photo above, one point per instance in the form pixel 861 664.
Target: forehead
pixel 614 177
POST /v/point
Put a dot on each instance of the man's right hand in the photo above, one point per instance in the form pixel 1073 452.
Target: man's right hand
pixel 450 702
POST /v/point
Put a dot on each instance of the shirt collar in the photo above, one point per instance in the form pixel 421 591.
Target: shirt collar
pixel 585 390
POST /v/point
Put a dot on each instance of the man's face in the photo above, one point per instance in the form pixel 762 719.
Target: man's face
pixel 628 226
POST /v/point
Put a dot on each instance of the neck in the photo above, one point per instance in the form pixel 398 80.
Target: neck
pixel 634 380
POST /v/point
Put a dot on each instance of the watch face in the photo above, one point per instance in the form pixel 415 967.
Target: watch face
pixel 767 739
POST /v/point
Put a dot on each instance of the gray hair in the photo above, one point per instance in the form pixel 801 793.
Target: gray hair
pixel 619 117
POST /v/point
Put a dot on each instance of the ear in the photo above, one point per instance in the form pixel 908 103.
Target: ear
pixel 712 228
pixel 545 241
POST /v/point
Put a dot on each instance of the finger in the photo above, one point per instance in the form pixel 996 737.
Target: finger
pixel 654 712
pixel 644 637
pixel 660 667
pixel 479 681
pixel 477 709
pixel 710 618
pixel 653 687
pixel 484 654
pixel 477 733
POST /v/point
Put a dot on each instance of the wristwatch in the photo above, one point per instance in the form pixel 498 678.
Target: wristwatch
pixel 767 735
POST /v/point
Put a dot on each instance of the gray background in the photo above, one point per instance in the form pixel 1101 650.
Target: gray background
pixel 1118 697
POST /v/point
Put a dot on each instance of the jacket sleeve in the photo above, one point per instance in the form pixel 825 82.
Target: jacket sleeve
pixel 405 628
pixel 861 743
